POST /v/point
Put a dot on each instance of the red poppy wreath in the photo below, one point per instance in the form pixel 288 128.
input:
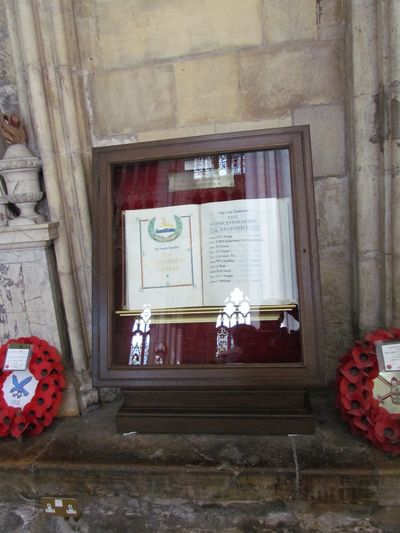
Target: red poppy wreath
pixel 369 400
pixel 30 399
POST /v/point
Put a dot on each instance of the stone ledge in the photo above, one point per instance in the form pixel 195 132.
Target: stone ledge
pixel 85 458
pixel 29 236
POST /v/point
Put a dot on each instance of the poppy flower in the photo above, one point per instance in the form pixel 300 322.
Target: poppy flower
pixel 356 404
pixel 46 366
pixel 59 380
pixel 379 335
pixel 6 418
pixel 43 400
pixel 18 425
pixel 34 427
pixel 346 357
pixel 46 419
pixel 3 377
pixel 366 383
pixel 371 436
pixel 39 344
pixel 350 371
pixel 3 403
pixel 346 387
pixel 2 357
pixel 47 385
pixel 370 372
pixel 55 406
pixel 52 355
pixel 57 367
pixel 361 422
pixel 387 429
pixel 33 409
pixel 355 399
pixel 41 370
pixel 363 357
pixel 390 447
pixel 37 358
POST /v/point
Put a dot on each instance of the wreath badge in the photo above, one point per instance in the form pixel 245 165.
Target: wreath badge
pixel 165 231
pixel 30 399
pixel 369 400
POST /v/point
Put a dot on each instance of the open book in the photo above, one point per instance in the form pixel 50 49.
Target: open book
pixel 196 255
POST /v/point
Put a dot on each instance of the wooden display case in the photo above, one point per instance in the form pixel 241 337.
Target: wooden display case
pixel 206 298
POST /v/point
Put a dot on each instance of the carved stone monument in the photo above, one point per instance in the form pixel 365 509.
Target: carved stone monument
pixel 20 170
pixel 29 301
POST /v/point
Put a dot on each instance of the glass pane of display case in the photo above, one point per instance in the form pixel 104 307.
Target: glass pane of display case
pixel 206 299
pixel 204 261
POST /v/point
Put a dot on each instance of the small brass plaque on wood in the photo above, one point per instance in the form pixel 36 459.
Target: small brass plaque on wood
pixel 65 507
pixel 208 179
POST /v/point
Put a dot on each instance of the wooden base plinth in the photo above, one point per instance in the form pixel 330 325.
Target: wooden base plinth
pixel 235 412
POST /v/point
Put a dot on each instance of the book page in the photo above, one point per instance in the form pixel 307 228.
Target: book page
pixel 163 261
pixel 249 244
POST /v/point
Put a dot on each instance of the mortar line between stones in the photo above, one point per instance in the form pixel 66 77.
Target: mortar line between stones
pixel 296 464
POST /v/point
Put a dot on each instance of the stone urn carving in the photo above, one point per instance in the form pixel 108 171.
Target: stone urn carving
pixel 20 169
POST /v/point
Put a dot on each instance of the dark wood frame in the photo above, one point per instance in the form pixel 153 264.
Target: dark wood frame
pixel 148 385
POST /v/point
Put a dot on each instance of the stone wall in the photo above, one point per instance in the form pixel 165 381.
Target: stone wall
pixel 8 89
pixel 157 69
pixel 166 69
pixel 101 72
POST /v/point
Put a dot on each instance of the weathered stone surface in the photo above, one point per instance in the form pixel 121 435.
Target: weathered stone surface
pixel 278 122
pixel 365 77
pixel 27 306
pixel 370 270
pixel 338 338
pixel 174 133
pixel 327 137
pixel 331 12
pixel 331 18
pixel 12 520
pixel 329 482
pixel 69 404
pixel 8 90
pixel 86 27
pixel 132 31
pixel 332 207
pixel 368 230
pixel 396 283
pixel 13 325
pixel 280 27
pixel 206 129
pixel 336 283
pixel 132 100
pixel 276 79
pixel 102 515
pixel 203 94
pixel 12 289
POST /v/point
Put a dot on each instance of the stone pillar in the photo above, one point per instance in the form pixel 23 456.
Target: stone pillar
pixel 46 63
pixel 394 96
pixel 374 125
pixel 29 293
pixel 366 164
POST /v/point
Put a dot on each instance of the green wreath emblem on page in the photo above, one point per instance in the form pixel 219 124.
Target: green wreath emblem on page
pixel 165 231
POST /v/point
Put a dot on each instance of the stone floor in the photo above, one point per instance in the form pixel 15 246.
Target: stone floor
pixel 331 481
